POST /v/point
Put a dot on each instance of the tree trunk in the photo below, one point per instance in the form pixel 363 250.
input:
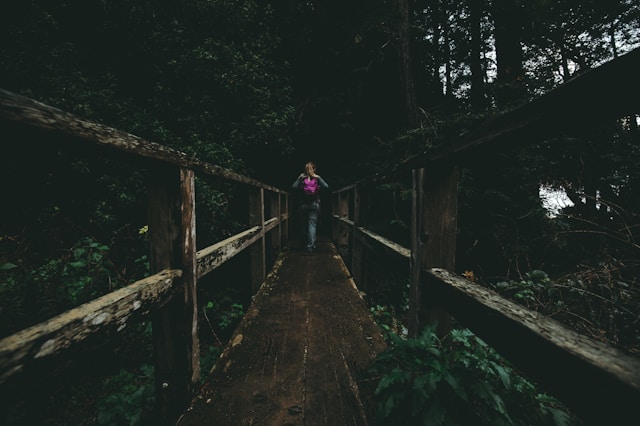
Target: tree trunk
pixel 507 15
pixel 475 62
pixel 406 74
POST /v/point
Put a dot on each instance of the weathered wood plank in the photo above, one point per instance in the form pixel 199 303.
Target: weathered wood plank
pixel 28 112
pixel 417 251
pixel 20 351
pixel 215 255
pixel 171 218
pixel 381 244
pixel 439 233
pixel 258 249
pixel 597 381
pixel 189 278
pixel 299 353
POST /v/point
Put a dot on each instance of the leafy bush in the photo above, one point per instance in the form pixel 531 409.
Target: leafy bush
pixel 456 381
pixel 129 396
pixel 594 301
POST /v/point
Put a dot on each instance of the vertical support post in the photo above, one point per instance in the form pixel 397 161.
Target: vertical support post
pixel 284 208
pixel 417 243
pixel 175 325
pixel 433 241
pixel 343 229
pixel 276 233
pixel 335 213
pixel 440 225
pixel 357 249
pixel 257 250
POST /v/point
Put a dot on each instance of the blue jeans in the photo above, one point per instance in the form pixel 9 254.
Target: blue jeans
pixel 310 213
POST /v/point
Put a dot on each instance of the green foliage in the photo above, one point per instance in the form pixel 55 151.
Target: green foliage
pixel 129 397
pixel 527 290
pixel 34 293
pixel 593 301
pixel 457 381
pixel 87 273
pixel 386 318
pixel 226 313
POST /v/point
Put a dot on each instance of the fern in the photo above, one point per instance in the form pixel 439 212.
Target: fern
pixel 456 381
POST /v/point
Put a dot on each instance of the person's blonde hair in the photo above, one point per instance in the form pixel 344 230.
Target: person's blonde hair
pixel 310 169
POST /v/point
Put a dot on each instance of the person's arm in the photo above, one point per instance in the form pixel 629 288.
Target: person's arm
pixel 322 183
pixel 296 183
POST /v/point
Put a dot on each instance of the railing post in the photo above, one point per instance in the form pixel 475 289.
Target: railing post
pixel 276 233
pixel 284 208
pixel 357 249
pixel 175 326
pixel 417 244
pixel 342 240
pixel 433 241
pixel 257 250
pixel 441 230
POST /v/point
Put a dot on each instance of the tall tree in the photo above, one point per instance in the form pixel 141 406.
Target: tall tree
pixel 508 20
pixel 405 63
pixel 478 96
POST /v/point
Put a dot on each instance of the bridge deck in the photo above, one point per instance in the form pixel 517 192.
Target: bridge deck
pixel 298 356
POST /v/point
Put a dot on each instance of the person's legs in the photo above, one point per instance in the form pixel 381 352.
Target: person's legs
pixel 312 226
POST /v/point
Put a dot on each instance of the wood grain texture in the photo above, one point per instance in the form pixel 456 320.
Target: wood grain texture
pixel 25 349
pixel 298 355
pixel 597 381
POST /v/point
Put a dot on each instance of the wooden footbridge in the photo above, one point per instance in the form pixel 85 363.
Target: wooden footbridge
pixel 298 355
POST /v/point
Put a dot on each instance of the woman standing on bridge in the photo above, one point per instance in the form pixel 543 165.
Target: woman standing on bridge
pixel 310 183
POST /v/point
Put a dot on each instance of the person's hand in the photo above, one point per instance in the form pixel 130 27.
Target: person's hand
pixel 302 175
pixel 314 175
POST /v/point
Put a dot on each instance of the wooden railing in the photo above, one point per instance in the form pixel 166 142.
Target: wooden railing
pixel 598 382
pixel 169 295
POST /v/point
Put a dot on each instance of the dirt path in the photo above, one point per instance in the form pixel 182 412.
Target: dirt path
pixel 299 353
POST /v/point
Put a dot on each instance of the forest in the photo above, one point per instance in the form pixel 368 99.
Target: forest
pixel 262 87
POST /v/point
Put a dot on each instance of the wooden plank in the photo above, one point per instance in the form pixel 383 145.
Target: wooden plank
pixel 299 354
pixel 257 250
pixel 171 236
pixel 439 233
pixel 189 278
pixel 30 113
pixel 607 92
pixel 344 224
pixel 598 382
pixel 22 351
pixel 275 236
pixel 356 261
pixel 215 255
pixel 417 251
pixel 382 245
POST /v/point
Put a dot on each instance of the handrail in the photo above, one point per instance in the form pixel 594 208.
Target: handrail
pixel 173 258
pixel 37 343
pixel 598 382
pixel 610 90
pixel 28 112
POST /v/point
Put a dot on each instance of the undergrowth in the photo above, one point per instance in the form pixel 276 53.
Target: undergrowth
pixel 458 380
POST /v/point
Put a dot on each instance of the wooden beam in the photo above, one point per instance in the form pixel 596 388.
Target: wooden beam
pixel 382 245
pixel 257 250
pixel 27 112
pixel 357 252
pixel 215 255
pixel 598 382
pixel 417 251
pixel 24 350
pixel 438 235
pixel 172 242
